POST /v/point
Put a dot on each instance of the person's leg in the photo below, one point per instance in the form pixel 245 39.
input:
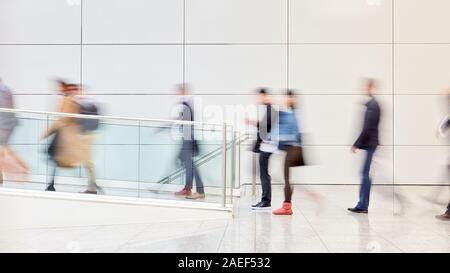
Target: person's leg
pixel 189 166
pixel 92 186
pixel 185 158
pixel 18 162
pixel 52 166
pixel 2 163
pixel 200 194
pixel 289 161
pixel 198 181
pixel 265 177
pixel 366 183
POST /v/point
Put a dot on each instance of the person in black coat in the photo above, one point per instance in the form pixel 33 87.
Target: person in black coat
pixel 443 132
pixel 368 141
pixel 264 127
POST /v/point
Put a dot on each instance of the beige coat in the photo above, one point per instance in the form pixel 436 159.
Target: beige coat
pixel 73 148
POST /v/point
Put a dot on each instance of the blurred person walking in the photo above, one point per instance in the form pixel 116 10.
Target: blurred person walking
pixel 264 129
pixel 67 148
pixel 289 140
pixel 368 141
pixel 442 132
pixel 87 127
pixel 189 148
pixel 9 161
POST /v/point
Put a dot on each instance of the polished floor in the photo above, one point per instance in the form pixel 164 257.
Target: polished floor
pixel 401 219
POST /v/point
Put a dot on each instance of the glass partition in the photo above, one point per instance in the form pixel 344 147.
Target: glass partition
pixel 129 157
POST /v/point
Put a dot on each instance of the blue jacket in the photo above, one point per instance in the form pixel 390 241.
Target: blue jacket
pixel 288 128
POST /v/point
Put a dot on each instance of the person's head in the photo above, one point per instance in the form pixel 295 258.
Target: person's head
pixel 183 89
pixel 71 89
pixel 290 99
pixel 370 86
pixel 263 96
pixel 61 85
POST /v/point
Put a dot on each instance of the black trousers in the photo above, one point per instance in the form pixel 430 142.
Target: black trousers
pixel 294 158
pixel 265 177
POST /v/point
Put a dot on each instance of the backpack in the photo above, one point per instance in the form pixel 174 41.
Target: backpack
pixel 88 107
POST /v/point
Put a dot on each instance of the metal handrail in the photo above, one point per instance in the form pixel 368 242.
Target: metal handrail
pixel 8 110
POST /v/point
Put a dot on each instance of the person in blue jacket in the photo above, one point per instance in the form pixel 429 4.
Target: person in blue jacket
pixel 289 140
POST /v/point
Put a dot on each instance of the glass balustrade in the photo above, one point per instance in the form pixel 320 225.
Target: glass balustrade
pixel 131 157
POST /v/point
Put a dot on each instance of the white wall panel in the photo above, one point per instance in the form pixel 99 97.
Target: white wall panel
pixel 331 21
pixel 235 69
pixel 337 120
pixel 133 21
pixel 30 69
pixel 417 119
pixel 422 69
pixel 36 102
pixel 132 69
pixel 338 69
pixel 236 21
pixel 421 164
pixel 43 21
pixel 422 21
pixel 141 106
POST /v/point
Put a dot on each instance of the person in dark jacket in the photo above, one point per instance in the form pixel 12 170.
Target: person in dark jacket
pixel 188 149
pixel 368 141
pixel 442 132
pixel 264 127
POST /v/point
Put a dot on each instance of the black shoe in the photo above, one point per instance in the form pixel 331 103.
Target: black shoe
pixel 358 210
pixel 50 187
pixel 444 217
pixel 262 205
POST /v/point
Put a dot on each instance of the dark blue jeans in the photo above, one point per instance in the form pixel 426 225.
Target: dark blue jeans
pixel 186 157
pixel 265 177
pixel 366 183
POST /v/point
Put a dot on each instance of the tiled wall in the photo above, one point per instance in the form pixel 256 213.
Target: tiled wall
pixel 131 53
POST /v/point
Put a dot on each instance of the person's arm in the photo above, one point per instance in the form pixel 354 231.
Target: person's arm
pixel 443 126
pixel 371 119
pixel 69 106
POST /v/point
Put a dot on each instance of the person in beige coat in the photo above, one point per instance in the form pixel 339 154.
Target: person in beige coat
pixel 70 148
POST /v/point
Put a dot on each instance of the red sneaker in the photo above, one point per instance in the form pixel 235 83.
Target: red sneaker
pixel 286 209
pixel 184 192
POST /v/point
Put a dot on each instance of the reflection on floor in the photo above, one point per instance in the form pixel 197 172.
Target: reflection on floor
pixel 400 220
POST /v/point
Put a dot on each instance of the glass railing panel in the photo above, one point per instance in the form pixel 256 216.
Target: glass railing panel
pixel 138 158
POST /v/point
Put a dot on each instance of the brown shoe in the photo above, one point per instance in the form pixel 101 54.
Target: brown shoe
pixel 444 217
pixel 89 192
pixel 184 192
pixel 196 196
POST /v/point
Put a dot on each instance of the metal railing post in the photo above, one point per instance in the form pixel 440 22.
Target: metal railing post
pixel 233 166
pixel 224 164
pixel 254 174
